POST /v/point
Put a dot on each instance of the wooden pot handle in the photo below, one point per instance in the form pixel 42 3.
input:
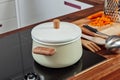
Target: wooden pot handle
pixel 44 51
pixel 56 23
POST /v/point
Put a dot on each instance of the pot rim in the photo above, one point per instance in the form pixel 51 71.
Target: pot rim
pixel 55 44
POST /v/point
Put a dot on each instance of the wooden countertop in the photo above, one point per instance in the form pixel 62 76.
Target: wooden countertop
pixel 106 70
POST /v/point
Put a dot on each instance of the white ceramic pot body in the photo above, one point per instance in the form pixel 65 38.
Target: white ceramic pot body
pixel 67 52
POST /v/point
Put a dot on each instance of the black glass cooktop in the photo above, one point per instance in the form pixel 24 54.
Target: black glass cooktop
pixel 16 60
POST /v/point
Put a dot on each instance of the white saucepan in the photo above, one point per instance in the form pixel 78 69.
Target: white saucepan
pixel 56 44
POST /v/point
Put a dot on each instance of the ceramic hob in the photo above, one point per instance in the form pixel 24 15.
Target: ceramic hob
pixel 16 61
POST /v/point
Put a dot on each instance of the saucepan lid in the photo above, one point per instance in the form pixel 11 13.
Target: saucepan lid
pixel 46 33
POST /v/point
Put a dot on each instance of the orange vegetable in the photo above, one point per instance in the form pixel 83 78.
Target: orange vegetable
pixel 95 15
pixel 99 19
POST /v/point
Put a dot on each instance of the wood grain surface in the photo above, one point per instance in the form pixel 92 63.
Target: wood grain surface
pixel 102 71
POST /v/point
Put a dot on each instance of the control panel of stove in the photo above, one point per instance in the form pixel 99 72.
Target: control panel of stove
pixel 31 76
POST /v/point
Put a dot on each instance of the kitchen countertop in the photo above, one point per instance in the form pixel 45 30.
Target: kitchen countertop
pixel 106 70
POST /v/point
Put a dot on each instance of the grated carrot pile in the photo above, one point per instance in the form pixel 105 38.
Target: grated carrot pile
pixel 99 19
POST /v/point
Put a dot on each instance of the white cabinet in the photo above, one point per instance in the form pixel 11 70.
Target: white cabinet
pixel 19 13
pixel 8 17
pixel 32 11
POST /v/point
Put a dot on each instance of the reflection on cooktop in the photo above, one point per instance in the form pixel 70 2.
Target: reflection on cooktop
pixel 88 59
pixel 57 74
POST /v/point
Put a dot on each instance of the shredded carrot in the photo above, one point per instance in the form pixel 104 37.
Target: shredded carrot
pixel 95 15
pixel 99 19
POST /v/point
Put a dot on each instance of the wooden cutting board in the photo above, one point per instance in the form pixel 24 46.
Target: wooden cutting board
pixel 111 29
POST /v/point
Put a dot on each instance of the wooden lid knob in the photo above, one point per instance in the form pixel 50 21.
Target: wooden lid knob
pixel 56 23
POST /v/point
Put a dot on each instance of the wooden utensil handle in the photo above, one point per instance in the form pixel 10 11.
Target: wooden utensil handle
pixel 88 32
pixel 56 23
